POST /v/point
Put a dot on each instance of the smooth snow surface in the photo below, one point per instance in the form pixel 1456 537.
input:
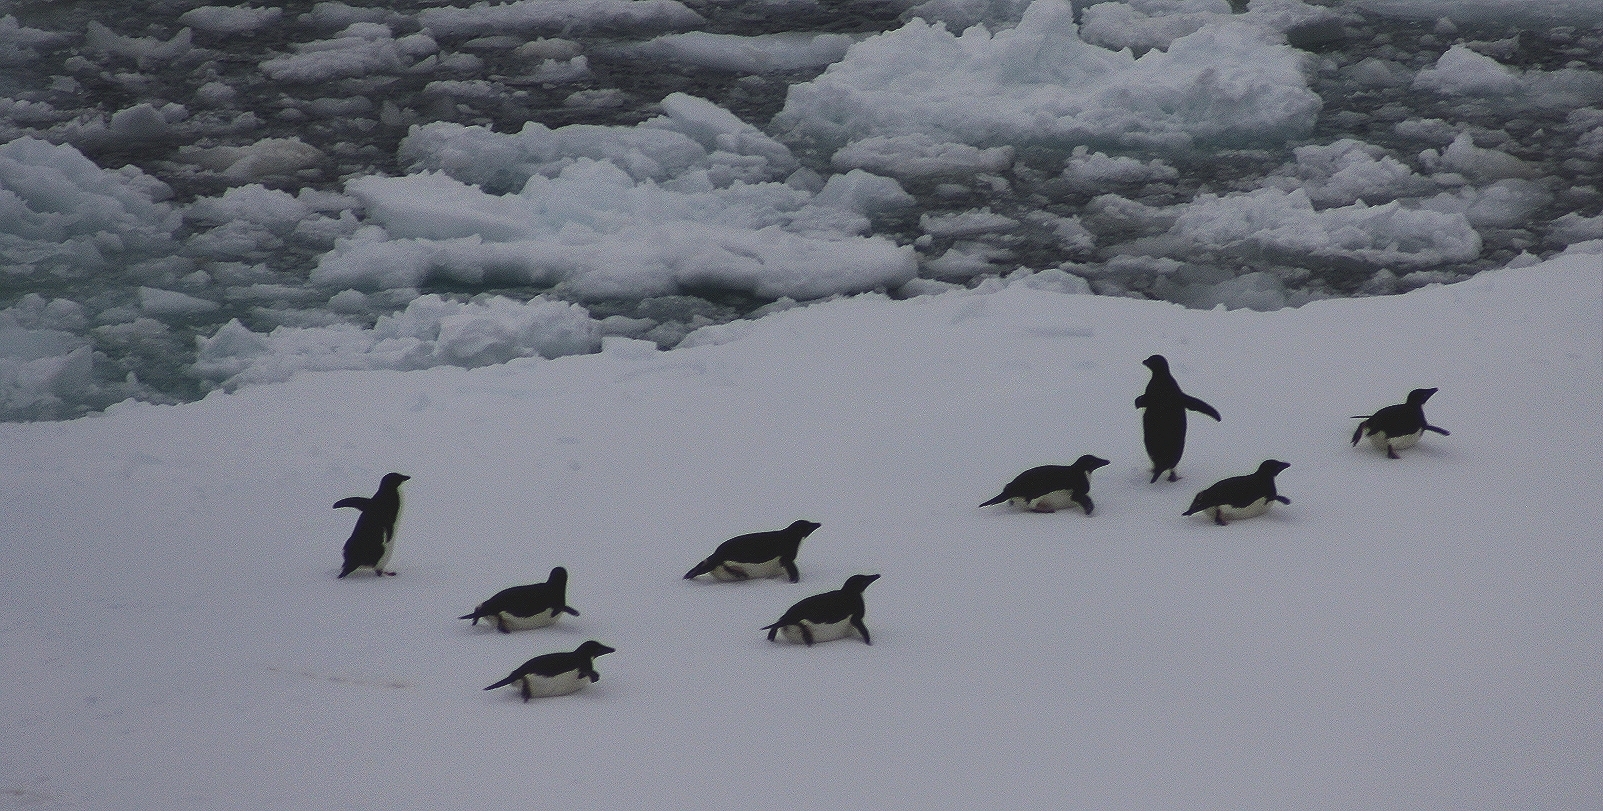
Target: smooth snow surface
pixel 1413 634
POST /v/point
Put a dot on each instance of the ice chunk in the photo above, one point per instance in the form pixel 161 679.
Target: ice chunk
pixel 1518 12
pixel 230 19
pixel 268 157
pixel 431 331
pixel 1039 83
pixel 1087 170
pixel 360 49
pixel 1461 71
pixel 921 156
pixel 571 16
pixel 763 53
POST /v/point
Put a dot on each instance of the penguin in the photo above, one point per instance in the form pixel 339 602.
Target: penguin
pixel 757 555
pixel 1052 487
pixel 533 606
pixel 831 615
pixel 557 674
pixel 1164 422
pixel 1241 496
pixel 373 539
pixel 1398 426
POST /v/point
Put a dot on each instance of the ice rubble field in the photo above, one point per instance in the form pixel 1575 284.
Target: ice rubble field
pixel 227 194
pixel 1414 634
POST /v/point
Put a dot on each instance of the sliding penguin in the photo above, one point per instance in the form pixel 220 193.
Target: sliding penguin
pixel 757 555
pixel 557 674
pixel 1164 422
pixel 1241 496
pixel 1398 426
pixel 533 606
pixel 831 615
pixel 1052 487
pixel 373 539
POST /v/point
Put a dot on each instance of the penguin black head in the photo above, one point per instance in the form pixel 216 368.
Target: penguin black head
pixel 558 575
pixel 1272 467
pixel 858 582
pixel 1419 396
pixel 1088 463
pixel 592 649
pixel 392 480
pixel 803 528
pixel 1157 363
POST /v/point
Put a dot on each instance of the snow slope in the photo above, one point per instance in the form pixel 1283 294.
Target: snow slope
pixel 1419 634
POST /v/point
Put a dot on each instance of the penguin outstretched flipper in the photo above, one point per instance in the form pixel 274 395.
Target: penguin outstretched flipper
pixel 372 539
pixel 757 555
pixel 1163 421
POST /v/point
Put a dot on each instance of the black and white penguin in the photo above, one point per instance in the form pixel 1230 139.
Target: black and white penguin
pixel 1163 423
pixel 533 606
pixel 557 674
pixel 757 555
pixel 831 615
pixel 1241 496
pixel 373 539
pixel 1398 426
pixel 1048 488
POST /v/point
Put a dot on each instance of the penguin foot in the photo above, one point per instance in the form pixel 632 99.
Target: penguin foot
pixel 1218 518
pixel 1173 476
pixel 1391 454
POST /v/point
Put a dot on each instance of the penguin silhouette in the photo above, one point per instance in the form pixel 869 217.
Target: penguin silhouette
pixel 831 615
pixel 1241 496
pixel 533 606
pixel 373 538
pixel 1052 487
pixel 556 674
pixel 1164 421
pixel 1398 426
pixel 757 555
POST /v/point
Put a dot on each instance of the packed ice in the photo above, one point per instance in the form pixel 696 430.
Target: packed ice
pixel 194 196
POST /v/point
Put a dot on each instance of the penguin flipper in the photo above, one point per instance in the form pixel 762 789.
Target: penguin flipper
pixel 701 568
pixel 1085 502
pixel 1200 407
pixel 504 682
pixel 857 622
pixel 998 500
pixel 358 502
pixel 790 569
pixel 1141 401
pixel 1442 431
pixel 1282 499
pixel 568 609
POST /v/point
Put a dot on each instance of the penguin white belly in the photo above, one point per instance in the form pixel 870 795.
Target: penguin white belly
pixel 1380 441
pixel 384 557
pixel 743 570
pixel 822 632
pixel 1051 502
pixel 513 622
pixel 558 685
pixel 1256 508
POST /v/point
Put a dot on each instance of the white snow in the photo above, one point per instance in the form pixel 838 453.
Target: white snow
pixel 1418 634
pixel 765 53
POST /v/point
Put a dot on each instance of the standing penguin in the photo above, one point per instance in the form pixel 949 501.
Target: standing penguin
pixel 556 674
pixel 533 606
pixel 831 615
pixel 1048 488
pixel 1398 426
pixel 373 539
pixel 1164 422
pixel 1241 496
pixel 757 555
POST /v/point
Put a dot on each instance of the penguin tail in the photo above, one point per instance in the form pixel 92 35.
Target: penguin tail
pixel 998 500
pixel 701 568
